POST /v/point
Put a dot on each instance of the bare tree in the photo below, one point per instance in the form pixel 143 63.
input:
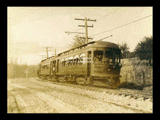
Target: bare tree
pixel 78 41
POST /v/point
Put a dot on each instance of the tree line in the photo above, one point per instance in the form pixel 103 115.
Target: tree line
pixel 15 70
pixel 143 50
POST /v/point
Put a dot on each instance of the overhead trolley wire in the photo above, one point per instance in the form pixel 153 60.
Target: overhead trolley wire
pixel 122 25
pixel 108 14
pixel 99 18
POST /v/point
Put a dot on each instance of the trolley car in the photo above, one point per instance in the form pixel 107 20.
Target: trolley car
pixel 86 64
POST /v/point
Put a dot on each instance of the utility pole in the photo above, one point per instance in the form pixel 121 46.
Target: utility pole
pixel 86 26
pixel 47 50
pixel 26 71
pixel 86 29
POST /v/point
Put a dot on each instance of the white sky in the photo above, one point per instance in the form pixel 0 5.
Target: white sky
pixel 32 28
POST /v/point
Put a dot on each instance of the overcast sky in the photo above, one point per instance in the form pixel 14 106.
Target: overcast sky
pixel 32 28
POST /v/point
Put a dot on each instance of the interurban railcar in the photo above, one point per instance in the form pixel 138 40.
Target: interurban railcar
pixel 86 64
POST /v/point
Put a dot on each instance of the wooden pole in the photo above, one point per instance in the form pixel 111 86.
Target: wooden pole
pixel 26 71
pixel 86 30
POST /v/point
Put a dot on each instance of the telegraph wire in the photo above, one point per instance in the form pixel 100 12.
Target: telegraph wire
pixel 108 14
pixel 99 18
pixel 122 25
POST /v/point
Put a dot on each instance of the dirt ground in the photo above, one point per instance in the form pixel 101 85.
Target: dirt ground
pixel 33 96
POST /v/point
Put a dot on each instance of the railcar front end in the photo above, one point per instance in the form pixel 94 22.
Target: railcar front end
pixel 106 66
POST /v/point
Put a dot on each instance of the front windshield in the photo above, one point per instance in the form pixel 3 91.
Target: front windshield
pixel 112 56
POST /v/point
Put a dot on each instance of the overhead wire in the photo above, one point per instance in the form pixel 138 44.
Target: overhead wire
pixel 122 25
pixel 99 18
pixel 108 14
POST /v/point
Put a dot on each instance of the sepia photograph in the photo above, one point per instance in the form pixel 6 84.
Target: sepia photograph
pixel 65 59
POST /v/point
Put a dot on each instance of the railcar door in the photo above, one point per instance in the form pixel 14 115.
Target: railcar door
pixel 89 60
pixel 51 68
pixel 57 65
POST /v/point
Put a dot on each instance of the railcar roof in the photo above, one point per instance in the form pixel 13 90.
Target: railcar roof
pixel 92 44
pixel 95 44
pixel 105 44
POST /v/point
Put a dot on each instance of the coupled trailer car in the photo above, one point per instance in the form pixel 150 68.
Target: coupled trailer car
pixel 86 64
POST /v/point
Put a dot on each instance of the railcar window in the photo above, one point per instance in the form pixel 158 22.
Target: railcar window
pixel 66 61
pixel 81 58
pixel 62 62
pixel 45 67
pixel 70 60
pixel 74 62
pixel 112 56
pixel 117 56
pixel 98 56
pixel 76 59
pixel 109 57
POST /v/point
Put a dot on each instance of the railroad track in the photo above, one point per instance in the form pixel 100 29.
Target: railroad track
pixel 128 98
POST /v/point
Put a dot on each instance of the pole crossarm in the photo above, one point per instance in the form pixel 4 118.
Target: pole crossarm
pixel 78 19
pixel 47 47
pixel 85 38
pixel 91 20
pixel 84 19
pixel 74 32
pixel 84 26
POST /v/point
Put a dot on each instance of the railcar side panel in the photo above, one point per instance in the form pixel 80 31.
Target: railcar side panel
pixel 73 70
